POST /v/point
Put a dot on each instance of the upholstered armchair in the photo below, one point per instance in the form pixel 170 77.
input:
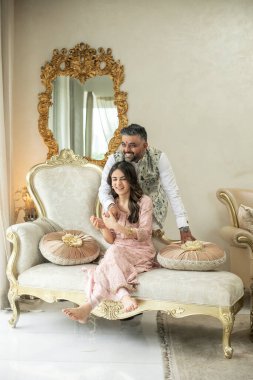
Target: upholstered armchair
pixel 238 235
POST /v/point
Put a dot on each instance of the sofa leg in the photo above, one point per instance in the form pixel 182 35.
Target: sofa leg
pixel 227 318
pixel 14 303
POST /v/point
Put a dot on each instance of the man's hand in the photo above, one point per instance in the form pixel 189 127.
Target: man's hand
pixel 114 210
pixel 185 234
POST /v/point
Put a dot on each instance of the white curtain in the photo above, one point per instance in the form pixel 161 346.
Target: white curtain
pixel 6 65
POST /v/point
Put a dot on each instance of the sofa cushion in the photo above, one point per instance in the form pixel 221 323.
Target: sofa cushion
pixel 69 247
pixel 47 224
pixel 193 255
pixel 245 218
pixel 214 288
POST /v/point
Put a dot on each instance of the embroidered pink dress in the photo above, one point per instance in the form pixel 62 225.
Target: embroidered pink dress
pixel 116 274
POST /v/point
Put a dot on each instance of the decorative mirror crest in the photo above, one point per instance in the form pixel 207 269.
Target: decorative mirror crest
pixel 81 62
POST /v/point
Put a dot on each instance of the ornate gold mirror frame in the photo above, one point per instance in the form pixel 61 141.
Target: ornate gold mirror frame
pixel 81 62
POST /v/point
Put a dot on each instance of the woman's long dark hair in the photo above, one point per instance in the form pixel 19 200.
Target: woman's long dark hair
pixel 135 190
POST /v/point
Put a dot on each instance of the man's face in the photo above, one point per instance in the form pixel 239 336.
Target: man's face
pixel 133 147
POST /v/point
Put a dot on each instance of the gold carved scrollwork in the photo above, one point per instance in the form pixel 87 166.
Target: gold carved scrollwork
pixel 228 321
pixel 109 309
pixel 67 156
pixel 175 312
pixel 11 275
pixel 225 198
pixel 81 62
pixel 227 318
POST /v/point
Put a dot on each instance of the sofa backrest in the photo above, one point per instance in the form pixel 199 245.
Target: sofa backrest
pixel 65 190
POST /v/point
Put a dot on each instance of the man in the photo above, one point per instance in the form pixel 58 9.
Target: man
pixel 155 176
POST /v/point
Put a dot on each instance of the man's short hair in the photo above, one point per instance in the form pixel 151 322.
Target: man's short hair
pixel 133 130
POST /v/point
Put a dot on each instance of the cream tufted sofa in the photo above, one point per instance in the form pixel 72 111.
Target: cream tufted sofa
pixel 65 191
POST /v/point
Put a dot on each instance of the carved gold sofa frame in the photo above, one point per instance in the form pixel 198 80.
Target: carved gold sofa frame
pixel 65 190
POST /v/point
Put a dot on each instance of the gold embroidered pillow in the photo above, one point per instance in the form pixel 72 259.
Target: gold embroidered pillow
pixel 193 255
pixel 69 247
pixel 245 218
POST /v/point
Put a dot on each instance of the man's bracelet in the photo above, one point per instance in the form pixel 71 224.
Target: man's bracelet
pixel 184 229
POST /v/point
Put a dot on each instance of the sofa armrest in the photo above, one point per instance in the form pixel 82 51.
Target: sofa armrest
pixel 237 237
pixel 232 198
pixel 25 238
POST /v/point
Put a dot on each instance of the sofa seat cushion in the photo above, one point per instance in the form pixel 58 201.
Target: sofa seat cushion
pixel 214 288
pixel 191 287
pixel 55 277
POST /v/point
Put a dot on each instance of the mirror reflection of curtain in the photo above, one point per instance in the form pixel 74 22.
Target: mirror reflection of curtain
pixel 80 119
pixel 87 116
pixel 66 117
pixel 76 117
pixel 105 122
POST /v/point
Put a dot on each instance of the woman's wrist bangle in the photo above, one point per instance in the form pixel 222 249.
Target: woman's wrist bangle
pixel 129 231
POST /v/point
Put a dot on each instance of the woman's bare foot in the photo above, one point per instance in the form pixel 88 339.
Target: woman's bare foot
pixel 129 303
pixel 79 314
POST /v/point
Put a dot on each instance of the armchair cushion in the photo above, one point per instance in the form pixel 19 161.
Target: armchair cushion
pixel 245 218
pixel 196 255
pixel 69 247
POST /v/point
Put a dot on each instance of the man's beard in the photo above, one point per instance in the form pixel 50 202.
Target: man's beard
pixel 131 157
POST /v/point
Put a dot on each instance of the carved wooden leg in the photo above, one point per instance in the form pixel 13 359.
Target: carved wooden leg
pixel 227 318
pixel 13 299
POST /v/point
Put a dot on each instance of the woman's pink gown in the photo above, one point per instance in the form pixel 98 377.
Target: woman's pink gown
pixel 116 274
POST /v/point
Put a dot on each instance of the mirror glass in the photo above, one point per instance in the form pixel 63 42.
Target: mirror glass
pixel 82 107
pixel 83 116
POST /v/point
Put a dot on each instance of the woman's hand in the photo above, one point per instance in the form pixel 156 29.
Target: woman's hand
pixel 110 221
pixel 100 225
pixel 97 222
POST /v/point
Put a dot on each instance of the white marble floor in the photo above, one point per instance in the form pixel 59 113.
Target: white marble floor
pixel 45 345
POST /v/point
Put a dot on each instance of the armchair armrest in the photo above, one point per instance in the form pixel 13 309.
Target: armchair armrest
pixel 232 198
pixel 238 237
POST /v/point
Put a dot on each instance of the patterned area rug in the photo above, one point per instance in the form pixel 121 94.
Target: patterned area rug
pixel 192 348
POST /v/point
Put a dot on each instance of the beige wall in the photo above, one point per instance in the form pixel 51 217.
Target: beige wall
pixel 189 78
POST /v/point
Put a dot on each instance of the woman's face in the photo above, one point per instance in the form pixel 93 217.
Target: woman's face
pixel 119 183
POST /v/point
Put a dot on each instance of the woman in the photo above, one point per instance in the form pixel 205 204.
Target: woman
pixel 131 251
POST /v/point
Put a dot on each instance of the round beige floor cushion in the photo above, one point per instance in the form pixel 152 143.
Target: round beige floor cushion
pixel 193 255
pixel 69 247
